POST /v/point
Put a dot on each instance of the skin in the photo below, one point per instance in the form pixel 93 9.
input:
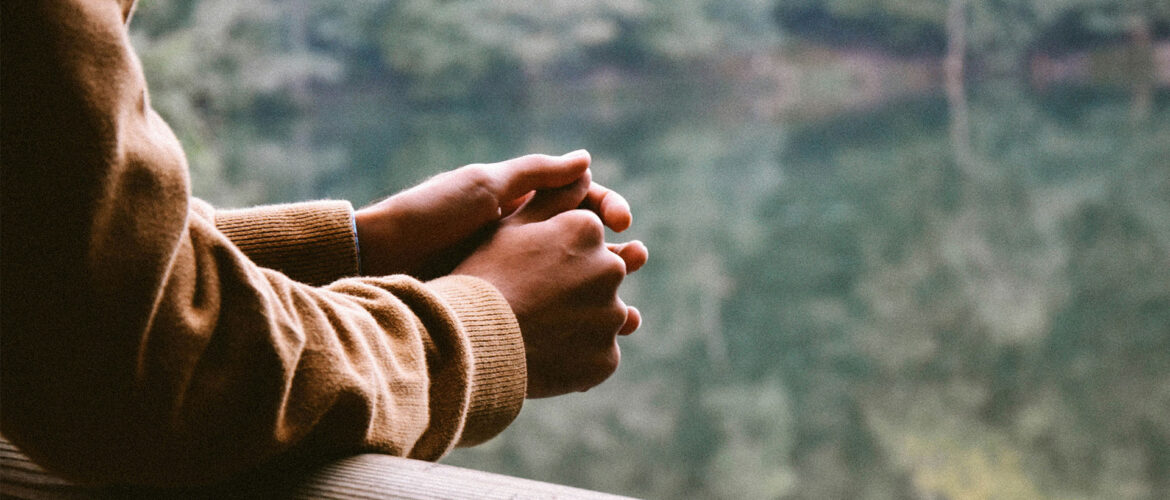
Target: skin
pixel 534 227
pixel 426 230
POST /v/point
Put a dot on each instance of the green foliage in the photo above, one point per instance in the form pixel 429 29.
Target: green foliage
pixel 835 307
pixel 210 61
pixel 452 47
pixel 903 26
pixel 836 310
pixel 999 33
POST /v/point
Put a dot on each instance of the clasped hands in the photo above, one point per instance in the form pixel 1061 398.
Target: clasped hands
pixel 534 228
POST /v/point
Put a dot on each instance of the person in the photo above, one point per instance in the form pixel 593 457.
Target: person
pixel 149 339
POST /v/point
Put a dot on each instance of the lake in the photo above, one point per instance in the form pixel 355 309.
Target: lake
pixel 895 299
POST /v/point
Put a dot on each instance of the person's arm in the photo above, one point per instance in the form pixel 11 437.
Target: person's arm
pixel 424 231
pixel 311 242
pixel 140 345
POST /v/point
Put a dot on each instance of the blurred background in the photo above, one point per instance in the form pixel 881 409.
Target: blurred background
pixel 899 248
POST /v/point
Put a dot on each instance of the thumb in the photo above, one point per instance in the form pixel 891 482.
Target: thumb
pixel 519 176
pixel 549 202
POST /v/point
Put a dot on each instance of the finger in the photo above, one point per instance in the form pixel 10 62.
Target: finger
pixel 634 253
pixel 509 207
pixel 605 365
pixel 633 321
pixel 611 206
pixel 516 177
pixel 549 202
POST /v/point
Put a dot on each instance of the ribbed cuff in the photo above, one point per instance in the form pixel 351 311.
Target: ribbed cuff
pixel 500 376
pixel 311 242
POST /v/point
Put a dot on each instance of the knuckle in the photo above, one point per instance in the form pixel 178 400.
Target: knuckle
pixel 615 266
pixel 604 365
pixel 613 318
pixel 480 184
pixel 610 360
pixel 585 224
pixel 607 273
pixel 479 176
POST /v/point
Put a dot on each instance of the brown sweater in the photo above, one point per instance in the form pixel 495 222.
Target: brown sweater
pixel 148 339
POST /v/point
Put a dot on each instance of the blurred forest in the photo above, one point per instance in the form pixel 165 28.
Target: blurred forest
pixel 899 248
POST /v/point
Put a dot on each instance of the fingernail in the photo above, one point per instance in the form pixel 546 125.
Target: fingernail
pixel 574 154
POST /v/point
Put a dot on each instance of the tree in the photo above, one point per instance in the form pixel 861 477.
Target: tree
pixel 209 62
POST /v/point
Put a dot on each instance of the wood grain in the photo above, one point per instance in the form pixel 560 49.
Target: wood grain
pixel 359 477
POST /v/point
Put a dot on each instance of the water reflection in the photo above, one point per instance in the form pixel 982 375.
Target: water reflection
pixel 838 309
pixel 851 305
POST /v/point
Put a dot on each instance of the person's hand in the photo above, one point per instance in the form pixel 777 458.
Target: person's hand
pixel 426 230
pixel 551 263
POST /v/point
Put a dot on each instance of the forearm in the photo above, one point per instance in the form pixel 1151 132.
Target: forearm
pixel 311 242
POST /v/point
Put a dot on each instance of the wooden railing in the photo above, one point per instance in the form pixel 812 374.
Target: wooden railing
pixel 361 476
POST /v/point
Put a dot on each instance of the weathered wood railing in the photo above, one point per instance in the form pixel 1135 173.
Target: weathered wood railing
pixel 361 476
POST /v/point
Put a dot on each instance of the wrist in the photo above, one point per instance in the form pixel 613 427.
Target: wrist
pixel 499 380
pixel 373 230
pixel 357 243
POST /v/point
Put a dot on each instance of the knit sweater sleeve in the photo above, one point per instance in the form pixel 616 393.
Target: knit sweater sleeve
pixel 142 345
pixel 312 242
